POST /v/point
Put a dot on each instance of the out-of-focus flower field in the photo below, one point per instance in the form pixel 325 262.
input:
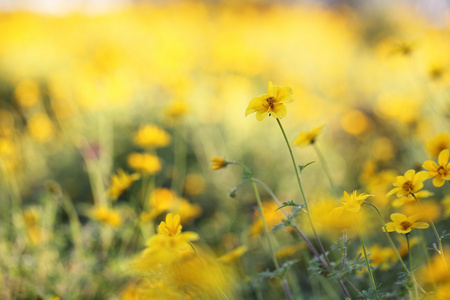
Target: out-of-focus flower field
pixel 129 169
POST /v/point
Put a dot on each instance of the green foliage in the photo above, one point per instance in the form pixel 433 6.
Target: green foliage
pixel 278 273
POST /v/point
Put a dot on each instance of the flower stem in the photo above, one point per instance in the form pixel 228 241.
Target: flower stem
pixel 325 169
pixel 416 293
pixel 365 256
pixel 319 243
pixel 441 250
pixel 266 233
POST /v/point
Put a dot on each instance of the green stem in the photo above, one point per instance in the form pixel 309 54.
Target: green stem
pixel 319 243
pixel 365 256
pixel 266 234
pixel 325 168
pixel 441 250
pixel 203 263
pixel 416 292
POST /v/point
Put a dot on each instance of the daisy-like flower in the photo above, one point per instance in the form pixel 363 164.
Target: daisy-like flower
pixel 121 182
pixel 151 136
pixel 403 224
pixel 271 103
pixel 306 138
pixel 440 173
pixel 409 198
pixel 409 184
pixel 353 202
pixel 438 143
pixel 218 163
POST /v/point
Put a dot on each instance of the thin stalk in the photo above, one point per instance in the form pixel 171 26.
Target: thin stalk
pixel 441 250
pixel 203 263
pixel 325 168
pixel 266 234
pixel 319 243
pixel 179 161
pixel 365 256
pixel 416 292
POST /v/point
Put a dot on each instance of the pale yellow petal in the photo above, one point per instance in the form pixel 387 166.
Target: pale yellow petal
pixel 443 157
pixel 279 111
pixel 429 165
pixel 270 90
pixel 438 181
pixel 256 104
pixel 261 114
pixel 421 176
pixel 400 229
pixel 284 95
pixel 398 218
pixel 409 175
pixel 420 225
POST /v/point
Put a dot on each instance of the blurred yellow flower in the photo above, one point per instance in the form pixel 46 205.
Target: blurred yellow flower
pixel 289 250
pixel 271 103
pixel 218 163
pixel 446 203
pixel 353 202
pixel 27 93
pixel 41 127
pixel 121 182
pixel 176 110
pixel 307 137
pixel 403 224
pixel 144 162
pixel 435 272
pixel 151 136
pixel 234 254
pixel 409 184
pixel 106 216
pixel 272 215
pixel 381 257
pixel 438 143
pixel 409 198
pixel 440 173
pixel 429 209
pixel 355 122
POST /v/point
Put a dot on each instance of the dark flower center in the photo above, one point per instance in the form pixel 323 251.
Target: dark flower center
pixel 407 186
pixel 405 225
pixel 442 171
pixel 271 101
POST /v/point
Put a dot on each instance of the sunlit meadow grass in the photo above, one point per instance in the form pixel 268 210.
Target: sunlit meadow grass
pixel 197 150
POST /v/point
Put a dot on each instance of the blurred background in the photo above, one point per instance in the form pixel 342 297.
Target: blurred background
pixel 80 79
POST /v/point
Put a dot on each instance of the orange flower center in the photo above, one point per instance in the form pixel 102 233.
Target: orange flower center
pixel 405 225
pixel 442 171
pixel 271 101
pixel 407 187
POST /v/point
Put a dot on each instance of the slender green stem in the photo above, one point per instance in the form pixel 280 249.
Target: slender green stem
pixel 319 243
pixel 203 263
pixel 441 250
pixel 365 256
pixel 266 234
pixel 325 169
pixel 416 292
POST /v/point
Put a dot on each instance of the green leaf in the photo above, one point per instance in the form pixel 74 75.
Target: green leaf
pixel 290 203
pixel 302 167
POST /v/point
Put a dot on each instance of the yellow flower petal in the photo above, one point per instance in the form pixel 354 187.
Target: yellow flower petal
pixel 443 157
pixel 279 111
pixel 398 218
pixel 429 165
pixel 409 175
pixel 438 181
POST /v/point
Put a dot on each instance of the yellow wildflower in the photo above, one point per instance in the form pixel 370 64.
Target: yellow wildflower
pixel 382 257
pixel 289 250
pixel 272 215
pixel 151 136
pixel 218 163
pixel 403 224
pixel 271 103
pixel 409 184
pixel 446 203
pixel 176 110
pixel 429 209
pixel 440 173
pixel 40 127
pixel 106 216
pixel 438 143
pixel 307 137
pixel 144 162
pixel 27 93
pixel 353 202
pixel 435 271
pixel 121 182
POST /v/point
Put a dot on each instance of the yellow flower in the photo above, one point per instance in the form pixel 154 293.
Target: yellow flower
pixel 381 257
pixel 176 110
pixel 234 254
pixel 435 272
pixel 121 182
pixel 27 93
pixel 144 162
pixel 307 137
pixel 289 250
pixel 41 128
pixel 446 203
pixel 438 143
pixel 218 163
pixel 353 202
pixel 107 216
pixel 409 184
pixel 403 224
pixel 271 103
pixel 440 173
pixel 409 198
pixel 151 136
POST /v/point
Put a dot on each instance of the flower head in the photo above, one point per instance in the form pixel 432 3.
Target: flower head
pixel 403 224
pixel 271 103
pixel 440 173
pixel 438 143
pixel 353 202
pixel 306 138
pixel 218 163
pixel 409 184
pixel 144 162
pixel 106 216
pixel 151 136
pixel 121 182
